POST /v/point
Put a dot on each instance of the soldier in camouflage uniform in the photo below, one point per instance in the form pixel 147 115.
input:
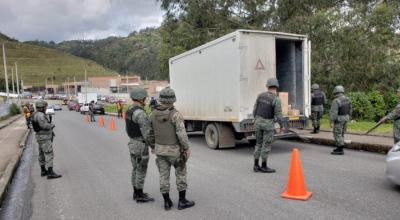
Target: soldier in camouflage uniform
pixel 318 99
pixel 267 110
pixel 395 116
pixel 339 116
pixel 171 148
pixel 44 137
pixel 141 136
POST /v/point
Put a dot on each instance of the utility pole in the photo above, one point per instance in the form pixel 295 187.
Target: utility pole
pixel 5 74
pixel 68 88
pixel 76 90
pixel 85 86
pixel 12 80
pixel 16 74
pixel 127 83
pixel 52 84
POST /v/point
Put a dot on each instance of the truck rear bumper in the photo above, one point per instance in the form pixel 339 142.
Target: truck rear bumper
pixel 247 125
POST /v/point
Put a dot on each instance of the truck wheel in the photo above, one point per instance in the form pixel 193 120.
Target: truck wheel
pixel 212 136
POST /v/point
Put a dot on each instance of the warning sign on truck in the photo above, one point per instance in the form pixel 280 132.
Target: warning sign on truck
pixel 259 65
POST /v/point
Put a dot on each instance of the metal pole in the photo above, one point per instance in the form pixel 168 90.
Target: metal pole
pixel 85 86
pixel 16 74
pixel 127 83
pixel 75 86
pixel 5 74
pixel 68 88
pixel 12 80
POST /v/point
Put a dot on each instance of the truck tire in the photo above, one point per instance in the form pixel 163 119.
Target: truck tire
pixel 212 136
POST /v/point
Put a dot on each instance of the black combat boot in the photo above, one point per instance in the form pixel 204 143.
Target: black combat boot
pixel 167 201
pixel 256 167
pixel 318 129
pixel 134 193
pixel 265 169
pixel 338 151
pixel 142 197
pixel 43 170
pixel 183 202
pixel 51 174
pixel 314 131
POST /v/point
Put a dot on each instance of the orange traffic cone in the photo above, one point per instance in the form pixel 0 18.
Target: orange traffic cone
pixel 112 124
pixel 123 115
pixel 87 119
pixel 101 121
pixel 296 188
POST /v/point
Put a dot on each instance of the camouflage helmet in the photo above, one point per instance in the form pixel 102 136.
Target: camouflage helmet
pixel 138 93
pixel 40 103
pixel 167 96
pixel 272 82
pixel 338 89
pixel 315 86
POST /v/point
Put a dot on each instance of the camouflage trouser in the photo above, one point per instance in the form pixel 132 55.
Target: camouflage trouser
pixel 164 164
pixel 92 119
pixel 264 139
pixel 339 130
pixel 139 158
pixel 46 153
pixel 396 131
pixel 316 117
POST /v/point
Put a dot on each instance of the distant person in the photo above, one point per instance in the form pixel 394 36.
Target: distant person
pixel 27 114
pixel 339 116
pixel 171 148
pixel 267 110
pixel 395 116
pixel 141 136
pixel 44 137
pixel 318 99
pixel 153 103
pixel 91 111
pixel 119 108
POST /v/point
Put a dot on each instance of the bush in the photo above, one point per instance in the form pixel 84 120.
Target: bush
pixel 392 100
pixel 378 105
pixel 14 109
pixel 362 108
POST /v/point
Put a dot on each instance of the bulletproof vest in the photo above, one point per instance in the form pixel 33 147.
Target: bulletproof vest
pixel 164 129
pixel 35 124
pixel 132 128
pixel 265 106
pixel 344 106
pixel 318 98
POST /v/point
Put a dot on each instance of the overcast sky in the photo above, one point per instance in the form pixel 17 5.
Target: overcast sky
pixel 60 20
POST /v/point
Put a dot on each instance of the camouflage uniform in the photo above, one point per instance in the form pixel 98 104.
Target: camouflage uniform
pixel 395 116
pixel 171 148
pixel 265 126
pixel 338 119
pixel 317 109
pixel 139 147
pixel 44 139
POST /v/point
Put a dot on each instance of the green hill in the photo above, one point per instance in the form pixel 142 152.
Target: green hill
pixel 36 64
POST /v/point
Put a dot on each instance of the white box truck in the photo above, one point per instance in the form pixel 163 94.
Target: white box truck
pixel 84 99
pixel 217 84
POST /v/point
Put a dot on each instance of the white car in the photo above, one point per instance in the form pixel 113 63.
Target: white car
pixel 84 108
pixel 50 110
pixel 393 164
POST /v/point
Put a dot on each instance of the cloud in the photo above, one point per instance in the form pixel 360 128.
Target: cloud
pixel 76 19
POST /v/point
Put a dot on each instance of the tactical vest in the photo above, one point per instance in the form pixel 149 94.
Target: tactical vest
pixel 35 124
pixel 265 106
pixel 344 106
pixel 318 98
pixel 164 129
pixel 132 128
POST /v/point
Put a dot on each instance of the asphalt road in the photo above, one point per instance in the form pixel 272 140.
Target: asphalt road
pixel 96 169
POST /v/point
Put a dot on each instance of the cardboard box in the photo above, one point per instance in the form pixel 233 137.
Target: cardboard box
pixel 284 97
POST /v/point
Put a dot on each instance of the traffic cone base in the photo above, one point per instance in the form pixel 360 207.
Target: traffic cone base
pixel 296 188
pixel 302 198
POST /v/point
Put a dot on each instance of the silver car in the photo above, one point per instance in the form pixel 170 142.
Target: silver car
pixel 393 164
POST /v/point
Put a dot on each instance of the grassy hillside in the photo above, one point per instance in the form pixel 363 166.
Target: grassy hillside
pixel 37 63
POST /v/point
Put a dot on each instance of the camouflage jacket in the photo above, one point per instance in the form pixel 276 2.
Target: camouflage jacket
pixel 394 115
pixel 180 131
pixel 318 108
pixel 268 124
pixel 46 132
pixel 140 117
pixel 334 113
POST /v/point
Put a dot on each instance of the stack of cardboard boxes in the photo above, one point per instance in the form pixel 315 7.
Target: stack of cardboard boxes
pixel 286 108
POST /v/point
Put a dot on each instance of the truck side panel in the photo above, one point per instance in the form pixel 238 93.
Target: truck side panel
pixel 206 82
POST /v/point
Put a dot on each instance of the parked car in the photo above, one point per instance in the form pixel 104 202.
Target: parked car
pixel 393 164
pixel 98 109
pixel 57 107
pixel 78 107
pixel 50 110
pixel 71 105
